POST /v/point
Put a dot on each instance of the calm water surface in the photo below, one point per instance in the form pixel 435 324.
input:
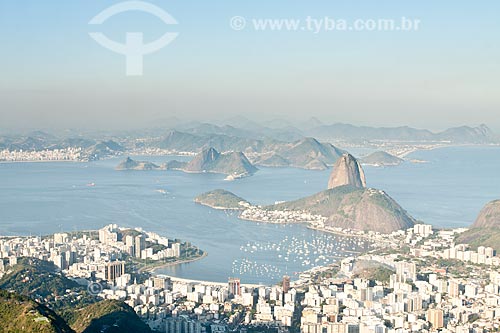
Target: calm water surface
pixel 42 198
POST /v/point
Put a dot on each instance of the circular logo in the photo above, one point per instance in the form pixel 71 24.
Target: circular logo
pixel 238 23
pixel 94 288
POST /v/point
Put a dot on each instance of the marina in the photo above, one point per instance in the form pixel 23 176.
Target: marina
pixel 322 250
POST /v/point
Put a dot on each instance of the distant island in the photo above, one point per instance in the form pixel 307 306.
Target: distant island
pixel 233 164
pixel 308 145
pixel 381 158
pixel 221 199
pixel 346 205
pixel 307 153
pixel 130 164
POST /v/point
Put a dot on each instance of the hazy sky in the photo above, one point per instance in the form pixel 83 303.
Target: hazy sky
pixel 447 73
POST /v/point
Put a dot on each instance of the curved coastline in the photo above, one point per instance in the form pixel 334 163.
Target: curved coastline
pixel 211 283
pixel 216 207
pixel 168 264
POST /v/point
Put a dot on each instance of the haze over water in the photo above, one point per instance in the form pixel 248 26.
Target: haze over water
pixel 42 198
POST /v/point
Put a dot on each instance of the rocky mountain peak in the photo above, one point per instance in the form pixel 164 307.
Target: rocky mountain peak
pixel 347 171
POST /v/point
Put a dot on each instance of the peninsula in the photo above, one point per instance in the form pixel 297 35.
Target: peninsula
pixel 346 205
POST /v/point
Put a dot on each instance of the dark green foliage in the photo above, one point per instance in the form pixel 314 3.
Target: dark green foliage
pixel 109 313
pixel 20 314
pixel 220 199
pixel 481 237
pixel 38 279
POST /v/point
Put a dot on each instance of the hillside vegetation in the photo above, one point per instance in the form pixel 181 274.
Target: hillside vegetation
pixel 20 314
pixel 486 229
pixel 349 207
pixel 114 315
pixel 36 278
pixel 220 199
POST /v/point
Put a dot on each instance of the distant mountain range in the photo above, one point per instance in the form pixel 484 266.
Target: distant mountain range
pixel 103 149
pixel 187 142
pixel 307 153
pixel 283 130
pixel 346 132
pixel 91 149
pixel 280 143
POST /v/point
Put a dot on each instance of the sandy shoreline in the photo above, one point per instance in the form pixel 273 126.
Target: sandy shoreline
pixel 211 283
pixel 215 207
pixel 168 264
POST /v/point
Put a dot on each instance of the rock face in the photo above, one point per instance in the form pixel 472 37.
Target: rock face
pixel 347 171
pixel 348 204
pixel 486 229
pixel 204 161
pixel 489 217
